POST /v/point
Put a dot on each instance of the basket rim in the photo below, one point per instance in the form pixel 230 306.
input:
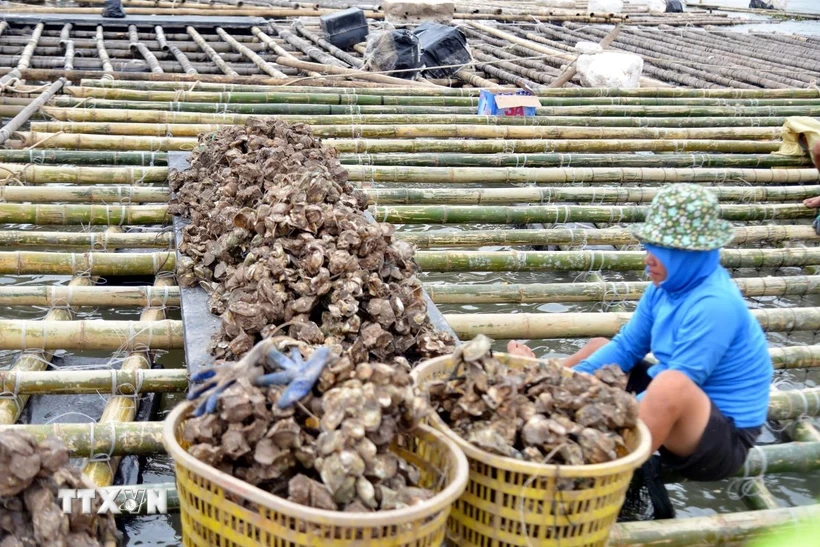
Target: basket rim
pixel 633 460
pixel 439 502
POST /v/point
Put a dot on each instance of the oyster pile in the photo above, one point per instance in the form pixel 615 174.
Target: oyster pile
pixel 31 515
pixel 330 450
pixel 542 412
pixel 279 236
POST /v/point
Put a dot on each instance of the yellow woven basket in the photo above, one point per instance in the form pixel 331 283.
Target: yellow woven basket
pixel 218 509
pixel 516 503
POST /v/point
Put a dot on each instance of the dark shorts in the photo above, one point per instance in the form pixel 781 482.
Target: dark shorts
pixel 722 450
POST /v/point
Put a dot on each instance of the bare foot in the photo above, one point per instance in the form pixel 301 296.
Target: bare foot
pixel 812 203
pixel 517 348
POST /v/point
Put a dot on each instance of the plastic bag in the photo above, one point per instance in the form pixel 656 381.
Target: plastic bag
pixel 113 9
pixel 393 50
pixel 674 6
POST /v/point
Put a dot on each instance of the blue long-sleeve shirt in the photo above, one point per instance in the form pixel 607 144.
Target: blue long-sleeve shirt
pixel 697 323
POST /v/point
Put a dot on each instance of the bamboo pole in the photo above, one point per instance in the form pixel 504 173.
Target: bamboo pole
pixel 68 62
pixel 795 357
pixel 209 51
pixel 557 214
pixel 108 68
pixel 17 122
pixel 43 214
pixel 536 326
pixel 47 174
pixel 497 293
pixel 43 156
pixel 60 296
pixel 255 59
pixel 333 50
pixel 27 262
pixel 790 405
pixel 276 48
pixel 599 194
pixel 84 194
pixel 729 528
pixel 143 50
pixel 81 382
pixel 95 241
pixel 757 496
pixel 88 335
pixel 28 51
pixel 123 408
pixel 92 439
pixel 11 408
pixel 576 176
pixel 183 61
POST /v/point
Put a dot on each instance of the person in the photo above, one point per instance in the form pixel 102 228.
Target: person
pixel 814 202
pixel 706 399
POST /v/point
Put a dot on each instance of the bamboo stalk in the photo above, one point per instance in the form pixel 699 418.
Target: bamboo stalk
pixel 95 241
pixel 48 174
pixel 17 122
pixel 209 51
pixel 143 50
pixel 757 496
pixel 27 262
pixel 496 293
pixel 557 214
pixel 108 68
pixel 536 326
pixel 41 214
pixel 80 382
pixel 333 50
pixel 255 59
pixel 93 439
pixel 175 51
pixel 276 48
pixel 28 51
pixel 123 408
pixel 68 62
pixel 599 194
pixel 795 357
pixel 576 176
pixel 88 335
pixel 60 296
pixel 729 528
pixel 11 408
pixel 789 405
pixel 84 194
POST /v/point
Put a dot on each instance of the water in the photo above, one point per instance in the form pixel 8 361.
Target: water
pixel 771 25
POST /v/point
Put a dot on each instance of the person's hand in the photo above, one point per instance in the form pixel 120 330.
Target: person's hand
pixel 812 203
pixel 517 348
pixel 263 358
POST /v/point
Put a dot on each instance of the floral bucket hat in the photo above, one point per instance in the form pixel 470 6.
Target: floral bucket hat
pixel 685 216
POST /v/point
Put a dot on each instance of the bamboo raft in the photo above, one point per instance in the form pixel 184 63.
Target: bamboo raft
pixel 521 223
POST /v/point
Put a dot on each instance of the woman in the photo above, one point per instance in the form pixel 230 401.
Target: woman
pixel 707 398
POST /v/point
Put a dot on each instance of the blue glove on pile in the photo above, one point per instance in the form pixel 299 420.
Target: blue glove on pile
pixel 299 375
pixel 816 225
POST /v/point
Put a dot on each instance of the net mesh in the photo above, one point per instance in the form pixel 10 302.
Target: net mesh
pixel 647 498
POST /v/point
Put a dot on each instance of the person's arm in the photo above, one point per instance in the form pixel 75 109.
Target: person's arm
pixel 628 346
pixel 703 338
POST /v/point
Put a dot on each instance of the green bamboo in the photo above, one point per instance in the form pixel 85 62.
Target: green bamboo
pixel 79 174
pixel 96 241
pixel 728 528
pixel 433 131
pixel 77 382
pixel 537 261
pixel 558 214
pixel 90 335
pixel 104 142
pixel 581 236
pixel 98 440
pixel 795 357
pixel 575 176
pixel 150 115
pixel 582 325
pixel 42 214
pixel 84 194
pixel 29 262
pixel 108 296
pixel 41 156
pixel 789 405
pixel 498 293
pixel 757 496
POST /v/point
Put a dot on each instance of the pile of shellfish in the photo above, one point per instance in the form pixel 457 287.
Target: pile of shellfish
pixel 279 236
pixel 31 514
pixel 540 412
pixel 330 451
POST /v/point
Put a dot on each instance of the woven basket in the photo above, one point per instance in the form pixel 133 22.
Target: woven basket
pixel 218 509
pixel 509 502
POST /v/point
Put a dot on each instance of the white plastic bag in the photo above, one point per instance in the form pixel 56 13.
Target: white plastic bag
pixel 588 47
pixel 562 4
pixel 610 69
pixel 605 6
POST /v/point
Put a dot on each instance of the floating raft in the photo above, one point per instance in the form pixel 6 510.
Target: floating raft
pixel 522 224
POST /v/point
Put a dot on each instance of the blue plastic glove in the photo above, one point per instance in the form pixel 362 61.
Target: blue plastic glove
pixel 816 225
pixel 299 375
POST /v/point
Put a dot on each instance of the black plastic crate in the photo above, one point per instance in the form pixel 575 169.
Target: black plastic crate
pixel 345 28
pixel 442 45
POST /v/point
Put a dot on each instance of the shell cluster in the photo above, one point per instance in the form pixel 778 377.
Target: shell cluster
pixel 541 412
pixel 329 451
pixel 31 515
pixel 279 236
